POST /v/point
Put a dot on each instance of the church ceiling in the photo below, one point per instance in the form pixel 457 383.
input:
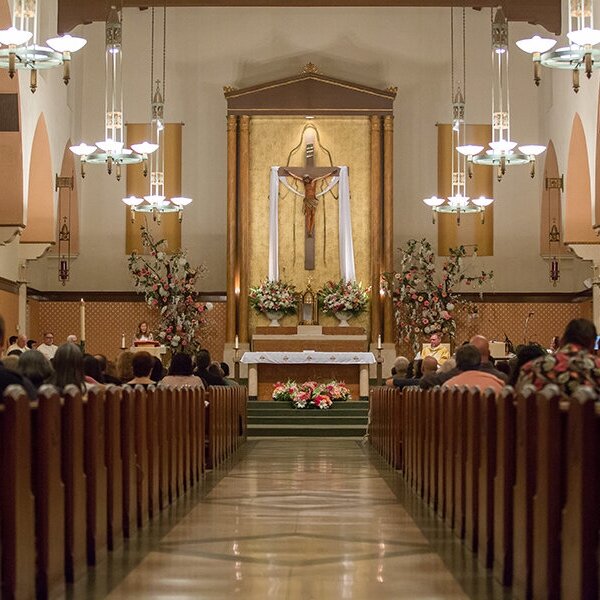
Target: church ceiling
pixel 541 12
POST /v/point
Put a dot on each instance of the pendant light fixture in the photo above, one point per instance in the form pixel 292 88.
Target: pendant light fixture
pixel 458 202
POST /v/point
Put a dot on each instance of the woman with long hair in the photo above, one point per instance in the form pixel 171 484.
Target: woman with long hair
pixel 68 367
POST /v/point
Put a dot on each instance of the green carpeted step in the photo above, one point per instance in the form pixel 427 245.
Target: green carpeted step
pixel 330 421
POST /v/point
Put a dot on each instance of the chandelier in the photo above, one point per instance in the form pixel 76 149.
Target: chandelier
pixel 458 202
pixel 112 151
pixel 502 149
pixel 156 201
pixel 22 51
pixel 579 55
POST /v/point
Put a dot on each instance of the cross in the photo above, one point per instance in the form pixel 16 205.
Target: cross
pixel 309 175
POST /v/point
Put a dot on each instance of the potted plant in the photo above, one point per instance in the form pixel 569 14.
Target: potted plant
pixel 344 299
pixel 274 299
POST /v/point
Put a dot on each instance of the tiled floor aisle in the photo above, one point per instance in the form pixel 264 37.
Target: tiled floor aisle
pixel 296 519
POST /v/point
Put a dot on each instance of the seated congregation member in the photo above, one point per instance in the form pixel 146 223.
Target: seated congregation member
pixel 19 346
pixel 124 366
pixel 9 377
pixel 48 347
pixel 401 379
pixel 68 367
pixel 482 344
pixel 181 372
pixel 202 363
pixel 572 365
pixel 468 361
pixel 435 349
pixel 525 353
pixel 11 362
pixel 158 371
pixel 226 378
pixel 36 367
pixel 32 344
pixel 142 364
pixel 92 370
pixel 72 339
pixel 104 369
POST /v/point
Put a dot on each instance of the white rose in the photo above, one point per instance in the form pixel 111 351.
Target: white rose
pixel 160 255
pixel 449 306
pixel 209 306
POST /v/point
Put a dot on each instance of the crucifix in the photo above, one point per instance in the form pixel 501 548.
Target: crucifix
pixel 309 175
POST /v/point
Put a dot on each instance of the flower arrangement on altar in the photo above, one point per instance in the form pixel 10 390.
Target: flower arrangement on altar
pixel 343 297
pixel 424 299
pixel 168 284
pixel 311 394
pixel 274 297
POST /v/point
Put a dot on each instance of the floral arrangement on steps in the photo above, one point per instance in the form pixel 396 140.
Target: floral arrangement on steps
pixel 344 299
pixel 311 394
pixel 424 297
pixel 274 299
pixel 168 283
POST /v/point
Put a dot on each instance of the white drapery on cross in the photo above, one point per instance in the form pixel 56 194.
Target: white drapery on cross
pixel 346 248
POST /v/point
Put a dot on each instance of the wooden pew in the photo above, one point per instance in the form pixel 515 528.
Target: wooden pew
pixel 114 467
pixel 49 493
pixel 581 520
pixel 17 510
pixel 549 495
pixel 154 456
pixel 74 479
pixel 95 475
pixel 142 450
pixel 128 460
pixel 473 422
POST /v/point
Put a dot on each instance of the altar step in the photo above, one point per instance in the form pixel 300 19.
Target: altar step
pixel 279 419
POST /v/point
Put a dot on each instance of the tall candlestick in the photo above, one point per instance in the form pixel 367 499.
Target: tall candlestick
pixel 379 346
pixel 82 318
pixel 236 344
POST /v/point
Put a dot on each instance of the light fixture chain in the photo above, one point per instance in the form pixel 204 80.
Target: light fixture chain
pixel 464 49
pixel 152 57
pixel 164 72
pixel 452 50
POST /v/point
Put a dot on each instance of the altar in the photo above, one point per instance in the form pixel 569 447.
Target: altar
pixel 267 368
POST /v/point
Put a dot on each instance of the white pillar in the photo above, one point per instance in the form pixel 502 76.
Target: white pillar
pixel 592 252
pixel 22 325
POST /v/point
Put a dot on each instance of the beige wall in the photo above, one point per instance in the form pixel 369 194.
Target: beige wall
pixel 210 47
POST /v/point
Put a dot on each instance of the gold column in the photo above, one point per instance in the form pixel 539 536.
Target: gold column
pixel 375 226
pixel 232 274
pixel 388 222
pixel 244 226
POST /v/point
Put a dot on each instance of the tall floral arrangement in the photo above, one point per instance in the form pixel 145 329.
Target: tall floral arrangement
pixel 168 283
pixel 343 296
pixel 424 297
pixel 274 297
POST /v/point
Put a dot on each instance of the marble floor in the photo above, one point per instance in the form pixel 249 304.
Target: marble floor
pixel 296 519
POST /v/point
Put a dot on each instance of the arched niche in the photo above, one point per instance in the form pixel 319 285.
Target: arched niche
pixel 11 165
pixel 40 198
pixel 578 203
pixel 67 207
pixel 551 210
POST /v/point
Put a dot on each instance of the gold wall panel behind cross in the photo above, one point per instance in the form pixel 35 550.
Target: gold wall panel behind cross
pixel 271 139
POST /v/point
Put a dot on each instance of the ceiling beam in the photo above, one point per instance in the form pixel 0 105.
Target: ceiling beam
pixel 546 13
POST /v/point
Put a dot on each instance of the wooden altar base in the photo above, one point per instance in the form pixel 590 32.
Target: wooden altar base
pixel 269 375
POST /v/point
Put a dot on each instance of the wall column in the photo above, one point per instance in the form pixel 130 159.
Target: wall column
pixel 592 252
pixel 244 226
pixel 375 226
pixel 232 271
pixel 387 263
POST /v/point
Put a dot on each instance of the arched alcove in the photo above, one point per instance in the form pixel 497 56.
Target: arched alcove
pixel 40 199
pixel 551 210
pixel 67 207
pixel 578 201
pixel 11 166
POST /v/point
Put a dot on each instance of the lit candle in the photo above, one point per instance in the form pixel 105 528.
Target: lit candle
pixel 82 317
pixel 123 341
pixel 379 346
pixel 236 344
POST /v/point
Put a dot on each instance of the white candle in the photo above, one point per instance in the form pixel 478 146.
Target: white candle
pixel 379 346
pixel 123 341
pixel 82 317
pixel 236 344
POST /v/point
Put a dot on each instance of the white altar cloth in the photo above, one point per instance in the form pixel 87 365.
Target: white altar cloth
pixel 300 358
pixel 361 359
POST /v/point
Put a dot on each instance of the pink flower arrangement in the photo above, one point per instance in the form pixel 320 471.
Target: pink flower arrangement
pixel 343 296
pixel 311 394
pixel 168 283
